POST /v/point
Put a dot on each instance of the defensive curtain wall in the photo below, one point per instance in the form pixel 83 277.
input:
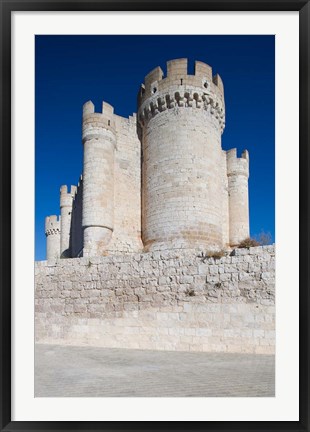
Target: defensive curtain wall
pixel 169 300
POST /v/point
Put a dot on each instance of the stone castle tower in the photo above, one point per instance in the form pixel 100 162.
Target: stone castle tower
pixel 158 180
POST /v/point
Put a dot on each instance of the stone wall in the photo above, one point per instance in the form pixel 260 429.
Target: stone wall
pixel 173 300
pixel 182 187
pixel 76 233
pixel 126 235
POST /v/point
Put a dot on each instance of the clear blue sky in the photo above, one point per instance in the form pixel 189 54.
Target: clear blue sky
pixel 71 70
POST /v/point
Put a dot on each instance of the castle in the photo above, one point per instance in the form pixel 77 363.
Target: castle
pixel 151 227
pixel 158 180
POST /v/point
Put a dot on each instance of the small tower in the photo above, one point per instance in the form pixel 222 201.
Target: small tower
pixel 181 120
pixel 238 196
pixel 52 232
pixel 66 199
pixel 99 141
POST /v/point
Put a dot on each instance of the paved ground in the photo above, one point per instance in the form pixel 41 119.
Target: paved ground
pixel 103 372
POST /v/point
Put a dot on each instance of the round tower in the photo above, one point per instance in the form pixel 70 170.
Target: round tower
pixel 66 200
pixel 52 232
pixel 238 196
pixel 99 141
pixel 181 120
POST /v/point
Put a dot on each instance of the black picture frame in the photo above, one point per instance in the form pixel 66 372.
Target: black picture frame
pixel 6 8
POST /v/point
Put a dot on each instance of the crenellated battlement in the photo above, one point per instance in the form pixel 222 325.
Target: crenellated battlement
pixel 96 124
pixel 179 89
pixel 66 197
pixel 52 225
pixel 64 190
pixel 177 75
pixel 235 165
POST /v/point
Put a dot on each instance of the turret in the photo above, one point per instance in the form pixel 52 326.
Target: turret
pixel 181 120
pixel 66 199
pixel 238 196
pixel 99 141
pixel 52 232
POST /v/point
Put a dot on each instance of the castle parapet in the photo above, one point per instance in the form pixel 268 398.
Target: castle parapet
pixel 52 232
pixel 52 225
pixel 95 124
pixel 66 196
pixel 203 70
pixel 177 68
pixel 217 80
pixel 235 165
pixel 153 77
pixel 201 90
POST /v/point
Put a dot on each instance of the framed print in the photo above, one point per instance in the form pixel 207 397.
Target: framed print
pixel 156 268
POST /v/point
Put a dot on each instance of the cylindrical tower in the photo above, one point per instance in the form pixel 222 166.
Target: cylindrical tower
pixel 52 232
pixel 66 199
pixel 238 174
pixel 99 141
pixel 181 120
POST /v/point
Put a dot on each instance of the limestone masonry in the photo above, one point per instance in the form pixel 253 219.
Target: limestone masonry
pixel 159 180
pixel 173 300
pixel 145 251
